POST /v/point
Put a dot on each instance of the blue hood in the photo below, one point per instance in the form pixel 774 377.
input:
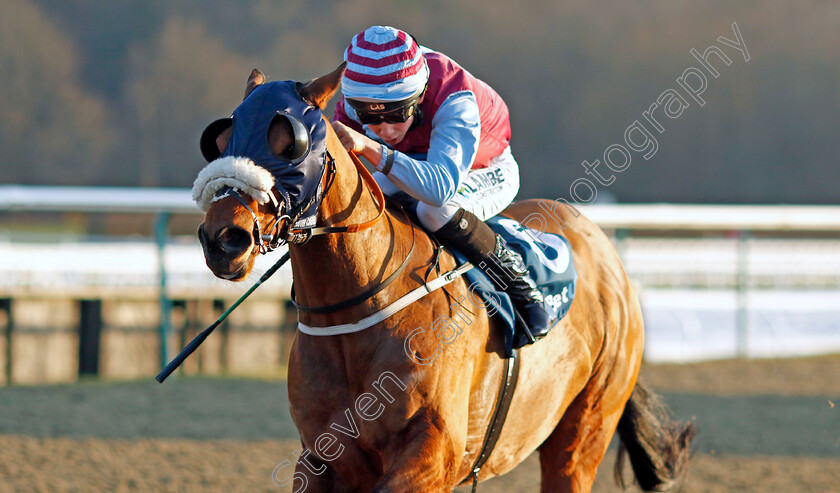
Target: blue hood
pixel 297 180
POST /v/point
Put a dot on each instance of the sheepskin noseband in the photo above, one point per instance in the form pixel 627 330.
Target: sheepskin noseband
pixel 238 173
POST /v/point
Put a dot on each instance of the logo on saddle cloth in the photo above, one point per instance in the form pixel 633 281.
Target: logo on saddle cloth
pixel 549 261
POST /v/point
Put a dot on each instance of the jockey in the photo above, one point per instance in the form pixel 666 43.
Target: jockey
pixel 434 131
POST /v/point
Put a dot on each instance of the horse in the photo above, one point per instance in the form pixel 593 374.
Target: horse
pixel 372 411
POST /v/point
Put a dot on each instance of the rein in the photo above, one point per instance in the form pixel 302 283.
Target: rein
pixel 367 294
pixel 301 236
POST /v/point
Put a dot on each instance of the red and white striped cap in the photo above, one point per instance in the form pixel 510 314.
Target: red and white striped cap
pixel 383 64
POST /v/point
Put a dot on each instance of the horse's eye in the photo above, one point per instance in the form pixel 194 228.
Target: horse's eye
pixel 299 134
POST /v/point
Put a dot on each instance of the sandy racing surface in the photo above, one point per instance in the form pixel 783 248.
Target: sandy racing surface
pixel 765 426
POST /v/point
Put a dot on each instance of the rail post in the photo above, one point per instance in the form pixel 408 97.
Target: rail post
pixel 90 336
pixel 742 321
pixel 6 306
pixel 161 233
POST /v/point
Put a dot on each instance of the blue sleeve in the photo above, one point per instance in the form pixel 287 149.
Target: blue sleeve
pixel 456 131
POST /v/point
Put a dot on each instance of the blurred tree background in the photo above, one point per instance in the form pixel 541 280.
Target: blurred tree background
pixel 117 93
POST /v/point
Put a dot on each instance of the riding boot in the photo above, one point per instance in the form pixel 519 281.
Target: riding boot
pixel 489 252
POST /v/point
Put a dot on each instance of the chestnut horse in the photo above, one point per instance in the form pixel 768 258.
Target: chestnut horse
pixel 373 418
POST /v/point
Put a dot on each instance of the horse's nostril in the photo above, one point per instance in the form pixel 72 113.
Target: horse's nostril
pixel 202 235
pixel 234 240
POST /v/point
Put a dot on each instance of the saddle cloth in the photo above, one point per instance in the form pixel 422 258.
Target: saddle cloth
pixel 548 258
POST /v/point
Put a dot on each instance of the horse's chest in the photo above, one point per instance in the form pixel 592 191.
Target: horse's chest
pixel 333 421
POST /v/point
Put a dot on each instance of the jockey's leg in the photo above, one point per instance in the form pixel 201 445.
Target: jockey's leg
pixel 489 252
pixel 483 194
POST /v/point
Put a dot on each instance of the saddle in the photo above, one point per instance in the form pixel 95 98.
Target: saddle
pixel 548 258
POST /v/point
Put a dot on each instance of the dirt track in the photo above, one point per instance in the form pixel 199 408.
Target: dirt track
pixel 765 426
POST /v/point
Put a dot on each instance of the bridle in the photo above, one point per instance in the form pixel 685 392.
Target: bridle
pixel 281 233
pixel 265 242
pixel 281 230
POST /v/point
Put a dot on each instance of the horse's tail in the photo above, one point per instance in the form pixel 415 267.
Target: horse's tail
pixel 658 447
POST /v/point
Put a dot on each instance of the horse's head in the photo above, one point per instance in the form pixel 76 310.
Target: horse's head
pixel 267 162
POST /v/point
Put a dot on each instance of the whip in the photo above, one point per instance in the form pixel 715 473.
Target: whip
pixel 193 345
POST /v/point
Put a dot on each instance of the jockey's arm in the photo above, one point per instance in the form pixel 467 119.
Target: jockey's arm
pixel 456 131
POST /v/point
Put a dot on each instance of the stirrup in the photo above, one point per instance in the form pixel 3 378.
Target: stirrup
pixel 527 299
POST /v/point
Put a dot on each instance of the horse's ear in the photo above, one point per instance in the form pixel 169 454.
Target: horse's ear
pixel 256 78
pixel 211 144
pixel 318 92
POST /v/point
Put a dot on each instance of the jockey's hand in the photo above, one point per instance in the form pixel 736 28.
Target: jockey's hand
pixel 351 140
pixel 362 145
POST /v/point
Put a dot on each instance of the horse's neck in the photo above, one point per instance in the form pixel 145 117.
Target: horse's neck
pixel 330 268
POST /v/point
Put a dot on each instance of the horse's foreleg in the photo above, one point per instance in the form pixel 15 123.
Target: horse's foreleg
pixel 311 475
pixel 421 463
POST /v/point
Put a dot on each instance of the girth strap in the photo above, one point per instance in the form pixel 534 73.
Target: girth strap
pixel 389 310
pixel 506 390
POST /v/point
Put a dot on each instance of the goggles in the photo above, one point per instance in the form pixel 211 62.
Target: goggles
pixel 375 112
